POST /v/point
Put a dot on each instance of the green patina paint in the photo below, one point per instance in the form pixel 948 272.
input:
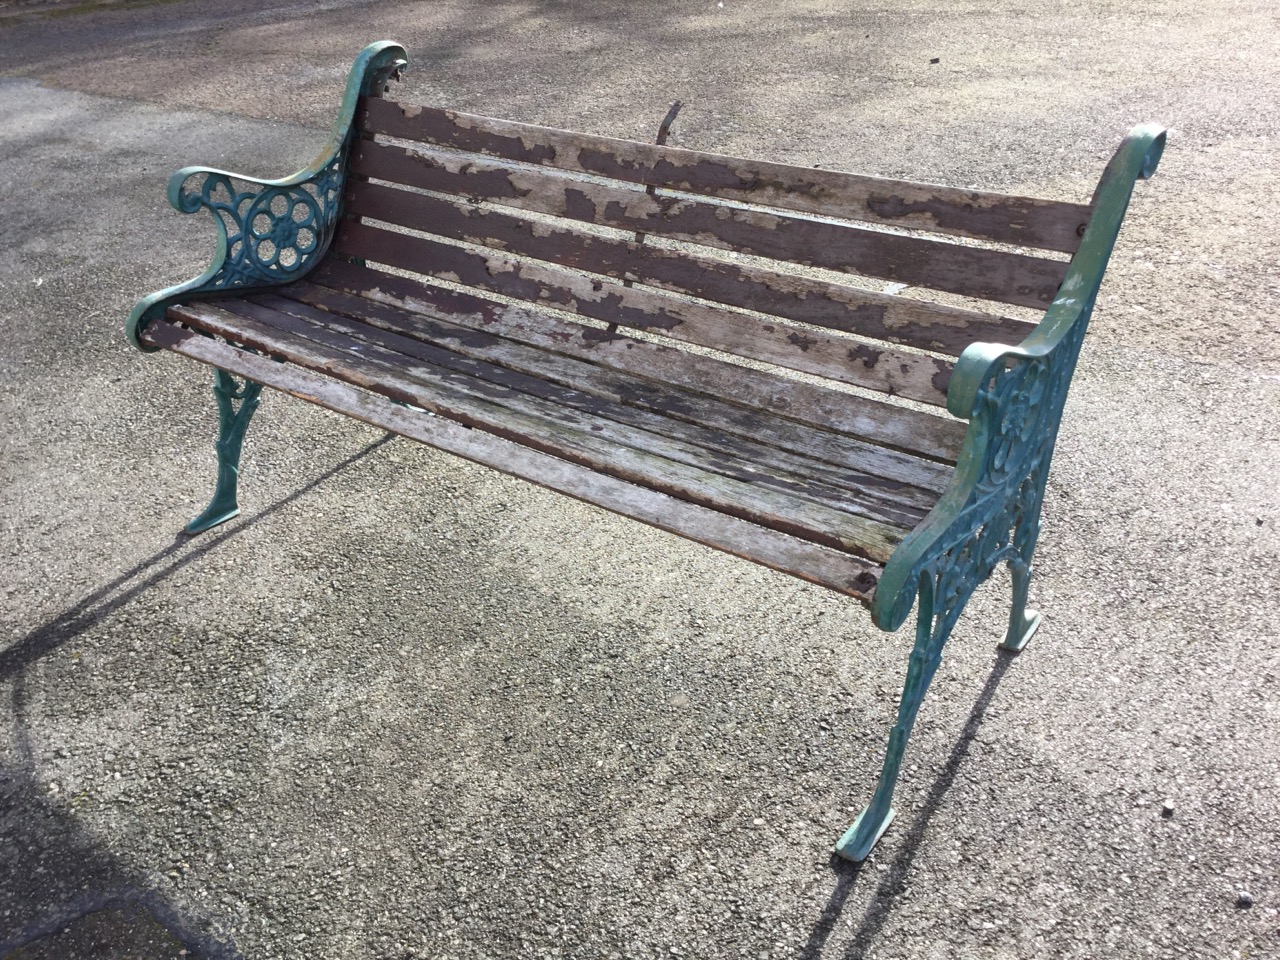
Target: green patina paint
pixel 1013 400
pixel 236 404
pixel 270 232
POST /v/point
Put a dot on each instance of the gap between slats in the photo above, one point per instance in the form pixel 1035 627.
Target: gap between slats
pixel 884 370
pixel 875 424
pixel 967 271
pixel 553 430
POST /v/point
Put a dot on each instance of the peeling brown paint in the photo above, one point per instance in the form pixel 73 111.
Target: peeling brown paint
pixel 942 376
pixel 969 271
pixel 479 312
pixel 867 356
pixel 1014 220
pixel 578 205
pixel 596 335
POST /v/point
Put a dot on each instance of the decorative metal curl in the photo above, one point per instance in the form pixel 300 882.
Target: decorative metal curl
pixel 1018 410
pixel 271 231
pixel 1013 399
pixel 273 234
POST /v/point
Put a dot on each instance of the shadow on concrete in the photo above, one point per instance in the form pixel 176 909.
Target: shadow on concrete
pixel 61 894
pixel 883 899
pixel 64 897
pixel 105 601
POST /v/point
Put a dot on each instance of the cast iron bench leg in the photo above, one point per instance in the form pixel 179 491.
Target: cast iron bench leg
pixel 933 628
pixel 926 655
pixel 1023 623
pixel 232 422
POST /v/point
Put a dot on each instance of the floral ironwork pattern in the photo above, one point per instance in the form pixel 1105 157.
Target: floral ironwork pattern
pixel 1018 411
pixel 1013 399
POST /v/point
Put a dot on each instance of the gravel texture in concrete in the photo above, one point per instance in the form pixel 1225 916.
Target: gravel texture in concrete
pixel 407 707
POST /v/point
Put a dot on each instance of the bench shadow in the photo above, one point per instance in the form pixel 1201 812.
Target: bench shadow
pixel 60 890
pixel 883 899
pixel 69 624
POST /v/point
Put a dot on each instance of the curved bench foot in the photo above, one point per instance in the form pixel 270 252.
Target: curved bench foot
pixel 1020 633
pixel 863 835
pixel 211 516
pixel 933 627
pixel 1023 623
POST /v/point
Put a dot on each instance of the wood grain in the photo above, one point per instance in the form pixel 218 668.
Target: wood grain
pixel 829 568
pixel 966 271
pixel 915 432
pixel 551 429
pixel 720 442
pixel 874 366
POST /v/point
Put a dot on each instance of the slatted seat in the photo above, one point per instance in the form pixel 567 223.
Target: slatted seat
pixel 819 485
pixel 758 357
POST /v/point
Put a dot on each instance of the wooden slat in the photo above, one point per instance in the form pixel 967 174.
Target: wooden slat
pixel 830 568
pixel 877 316
pixel 626 370
pixel 978 272
pixel 642 430
pixel 878 368
pixel 601 392
pixel 1022 221
pixel 792 296
pixel 880 424
pixel 553 430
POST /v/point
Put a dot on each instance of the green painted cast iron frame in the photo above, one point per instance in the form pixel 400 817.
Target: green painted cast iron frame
pixel 276 231
pixel 270 232
pixel 1013 399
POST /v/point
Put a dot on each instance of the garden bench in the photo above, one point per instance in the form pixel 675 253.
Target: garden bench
pixel 832 375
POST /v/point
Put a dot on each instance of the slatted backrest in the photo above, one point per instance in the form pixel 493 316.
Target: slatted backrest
pixel 556 218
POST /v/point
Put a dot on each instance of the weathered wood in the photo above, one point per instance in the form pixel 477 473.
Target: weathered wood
pixel 876 316
pixel 554 430
pixel 629 371
pixel 834 569
pixel 600 392
pixel 834 357
pixel 1021 221
pixel 922 261
pixel 795 296
pixel 675 440
pixel 966 271
pixel 716 381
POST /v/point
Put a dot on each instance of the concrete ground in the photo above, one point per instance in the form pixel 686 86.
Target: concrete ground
pixel 404 707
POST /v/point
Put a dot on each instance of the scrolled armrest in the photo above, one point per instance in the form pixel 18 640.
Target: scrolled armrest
pixel 1014 405
pixel 1013 399
pixel 270 232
